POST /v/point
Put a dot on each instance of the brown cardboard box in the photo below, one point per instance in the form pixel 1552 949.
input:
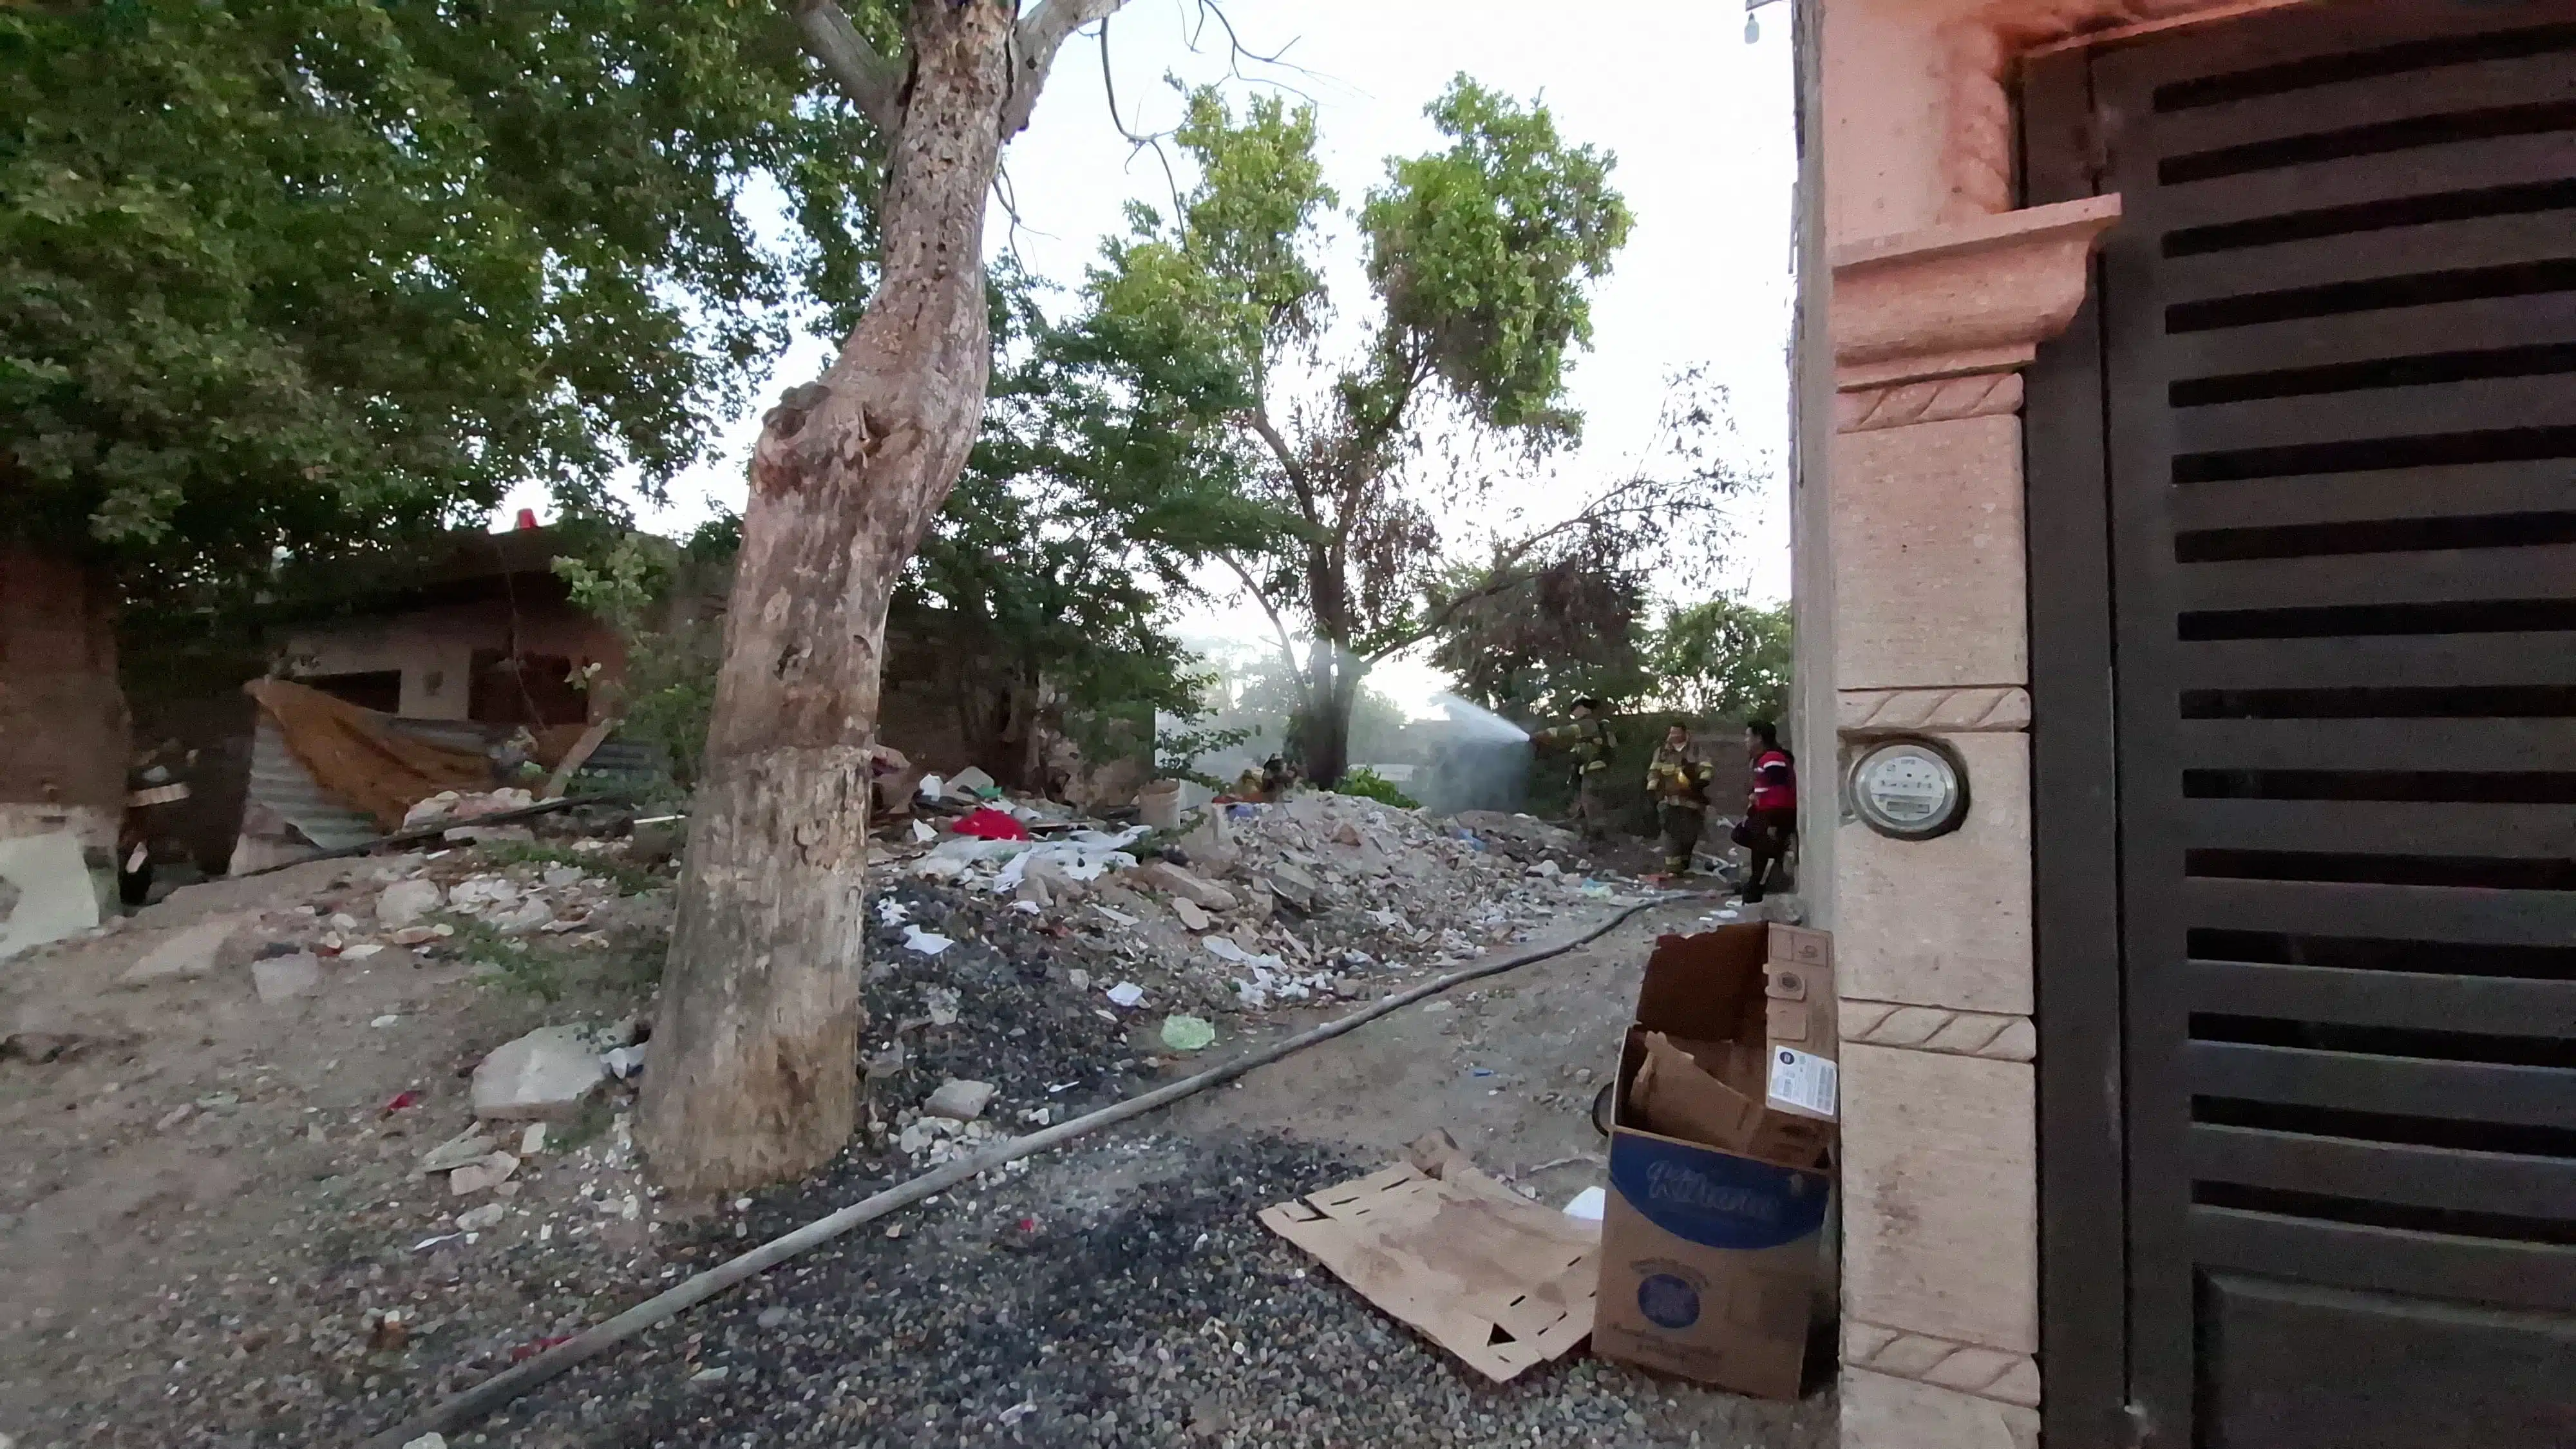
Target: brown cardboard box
pixel 1712 1231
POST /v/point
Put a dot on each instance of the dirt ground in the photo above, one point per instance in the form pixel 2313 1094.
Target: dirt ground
pixel 212 1232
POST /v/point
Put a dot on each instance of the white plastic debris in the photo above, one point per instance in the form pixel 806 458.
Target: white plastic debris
pixel 1587 1205
pixel 927 943
pixel 1126 993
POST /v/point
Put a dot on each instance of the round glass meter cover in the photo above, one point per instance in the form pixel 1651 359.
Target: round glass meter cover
pixel 1907 789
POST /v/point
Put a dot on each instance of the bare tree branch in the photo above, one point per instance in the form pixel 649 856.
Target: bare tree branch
pixel 1039 37
pixel 1287 646
pixel 873 82
pixel 1136 143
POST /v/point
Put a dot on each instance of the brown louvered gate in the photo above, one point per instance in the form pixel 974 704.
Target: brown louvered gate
pixel 2303 553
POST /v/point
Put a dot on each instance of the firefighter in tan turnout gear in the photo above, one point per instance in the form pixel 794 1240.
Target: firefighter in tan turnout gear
pixel 1589 741
pixel 1677 781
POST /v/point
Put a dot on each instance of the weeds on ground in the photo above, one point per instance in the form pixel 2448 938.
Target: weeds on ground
pixel 513 963
pixel 630 879
pixel 1368 784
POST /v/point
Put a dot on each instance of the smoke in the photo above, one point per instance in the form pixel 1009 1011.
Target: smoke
pixel 1481 762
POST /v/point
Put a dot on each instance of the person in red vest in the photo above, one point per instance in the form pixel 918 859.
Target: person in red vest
pixel 1771 812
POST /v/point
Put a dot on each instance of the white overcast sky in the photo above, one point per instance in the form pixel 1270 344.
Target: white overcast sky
pixel 1698 119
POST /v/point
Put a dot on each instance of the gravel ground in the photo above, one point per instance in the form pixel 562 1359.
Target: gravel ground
pixel 1121 1295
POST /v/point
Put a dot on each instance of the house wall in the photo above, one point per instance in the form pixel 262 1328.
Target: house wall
pixel 62 719
pixel 434 648
pixel 1942 290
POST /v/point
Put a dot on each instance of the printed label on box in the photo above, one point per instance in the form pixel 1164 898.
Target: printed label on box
pixel 1804 1080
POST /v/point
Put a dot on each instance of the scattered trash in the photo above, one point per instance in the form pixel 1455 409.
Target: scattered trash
pixel 1188 1033
pixel 991 824
pixel 927 943
pixel 400 1101
pixel 1500 1282
pixel 386 1020
pixel 624 1062
pixel 1126 993
pixel 922 832
pixel 1587 1205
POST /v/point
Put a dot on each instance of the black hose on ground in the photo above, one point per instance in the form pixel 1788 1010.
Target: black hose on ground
pixel 501 1388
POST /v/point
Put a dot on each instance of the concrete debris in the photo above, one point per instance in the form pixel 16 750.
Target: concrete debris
pixel 530 914
pixel 455 1152
pixel 532 1140
pixel 186 956
pixel 959 1101
pixel 1190 914
pixel 480 1219
pixel 1126 993
pixel 465 805
pixel 284 978
pixel 483 1174
pixel 543 1076
pixel 624 1063
pixel 1172 880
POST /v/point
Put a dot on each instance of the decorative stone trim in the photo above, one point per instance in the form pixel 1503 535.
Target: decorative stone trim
pixel 1991 1035
pixel 1927 402
pixel 1965 298
pixel 1979 710
pixel 1989 1373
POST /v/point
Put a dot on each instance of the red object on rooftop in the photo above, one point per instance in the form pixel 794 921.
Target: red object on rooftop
pixel 527 518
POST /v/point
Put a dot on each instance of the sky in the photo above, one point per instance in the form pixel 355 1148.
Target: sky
pixel 1698 119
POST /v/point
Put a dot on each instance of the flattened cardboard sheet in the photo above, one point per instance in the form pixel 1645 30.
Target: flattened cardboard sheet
pixel 1499 1281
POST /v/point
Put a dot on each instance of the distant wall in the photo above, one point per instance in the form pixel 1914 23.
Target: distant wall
pixel 62 718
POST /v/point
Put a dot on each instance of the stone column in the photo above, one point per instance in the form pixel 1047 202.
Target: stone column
pixel 1933 938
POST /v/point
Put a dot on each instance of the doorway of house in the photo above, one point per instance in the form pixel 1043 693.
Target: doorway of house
pixel 2303 561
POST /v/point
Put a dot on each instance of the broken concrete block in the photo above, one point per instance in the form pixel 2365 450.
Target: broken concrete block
pixel 489 1171
pixel 454 1153
pixel 1190 914
pixel 1295 886
pixel 969 784
pixel 543 1076
pixel 186 956
pixel 475 1220
pixel 960 1101
pixel 284 978
pixel 1164 876
pixel 406 901
pixel 528 916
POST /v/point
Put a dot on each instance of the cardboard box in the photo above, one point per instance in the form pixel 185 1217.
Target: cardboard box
pixel 1712 1236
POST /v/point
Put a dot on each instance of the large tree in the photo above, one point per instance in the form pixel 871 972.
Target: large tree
pixel 1726 659
pixel 314 276
pixel 755 1053
pixel 1480 257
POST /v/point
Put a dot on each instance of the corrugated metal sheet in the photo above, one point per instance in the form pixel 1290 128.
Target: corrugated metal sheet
pixel 283 785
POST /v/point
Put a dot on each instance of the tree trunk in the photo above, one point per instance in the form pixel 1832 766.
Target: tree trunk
pixel 1332 692
pixel 755 1055
pixel 63 721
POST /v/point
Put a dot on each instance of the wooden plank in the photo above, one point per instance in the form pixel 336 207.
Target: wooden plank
pixel 2356 339
pixel 2372 101
pixel 2351 1255
pixel 2395 1086
pixel 2507 1183
pixel 2329 995
pixel 2466 490
pixel 2376 827
pixel 2471 916
pixel 2388 661
pixel 2436 576
pixel 2357 180
pixel 2459 746
pixel 2377 412
pixel 2372 255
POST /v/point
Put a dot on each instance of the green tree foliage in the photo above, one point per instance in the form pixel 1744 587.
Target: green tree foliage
pixel 310 275
pixel 1530 644
pixel 1726 659
pixel 1097 486
pixel 1480 257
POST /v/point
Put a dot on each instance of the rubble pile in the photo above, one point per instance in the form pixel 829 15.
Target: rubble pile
pixel 1249 907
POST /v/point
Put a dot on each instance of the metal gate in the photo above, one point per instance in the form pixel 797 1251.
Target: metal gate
pixel 2303 563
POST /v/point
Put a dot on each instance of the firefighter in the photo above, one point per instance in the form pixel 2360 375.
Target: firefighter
pixel 1771 810
pixel 1677 781
pixel 1589 742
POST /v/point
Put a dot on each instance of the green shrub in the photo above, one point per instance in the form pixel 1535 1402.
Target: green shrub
pixel 1368 784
